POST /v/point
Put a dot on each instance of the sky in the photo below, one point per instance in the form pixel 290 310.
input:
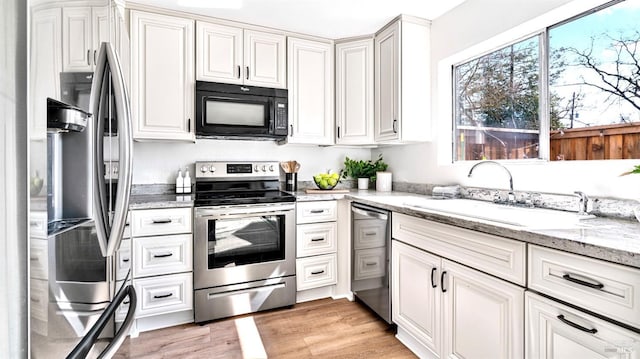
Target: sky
pixel 596 107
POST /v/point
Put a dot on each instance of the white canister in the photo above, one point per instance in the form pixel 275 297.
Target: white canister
pixel 363 183
pixel 383 181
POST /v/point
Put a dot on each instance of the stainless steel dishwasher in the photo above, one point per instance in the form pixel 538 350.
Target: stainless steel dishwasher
pixel 370 258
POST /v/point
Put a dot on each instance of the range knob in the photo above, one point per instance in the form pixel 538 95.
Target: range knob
pixel 212 169
pixel 203 169
pixel 264 168
pixel 255 168
pixel 271 168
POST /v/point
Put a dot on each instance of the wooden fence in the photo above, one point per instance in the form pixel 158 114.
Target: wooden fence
pixel 621 141
pixel 596 143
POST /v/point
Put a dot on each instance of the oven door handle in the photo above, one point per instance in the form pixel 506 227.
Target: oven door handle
pixel 231 213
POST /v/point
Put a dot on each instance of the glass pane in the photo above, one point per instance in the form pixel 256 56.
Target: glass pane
pixel 78 256
pixel 594 80
pixel 235 113
pixel 497 104
pixel 246 240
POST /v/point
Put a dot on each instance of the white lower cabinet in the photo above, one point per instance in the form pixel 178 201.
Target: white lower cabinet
pixel 447 310
pixel 316 271
pixel 556 331
pixel 164 294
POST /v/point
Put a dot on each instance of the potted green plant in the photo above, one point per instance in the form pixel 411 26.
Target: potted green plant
pixel 363 170
pixel 636 170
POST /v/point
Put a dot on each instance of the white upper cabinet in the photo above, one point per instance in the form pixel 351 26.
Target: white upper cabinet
pixel 402 102
pixel 44 69
pixel 83 29
pixel 162 77
pixel 354 92
pixel 232 55
pixel 310 79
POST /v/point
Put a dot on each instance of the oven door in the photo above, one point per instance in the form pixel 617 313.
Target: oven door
pixel 222 114
pixel 237 244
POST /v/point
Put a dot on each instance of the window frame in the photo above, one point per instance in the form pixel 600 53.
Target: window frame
pixel 553 19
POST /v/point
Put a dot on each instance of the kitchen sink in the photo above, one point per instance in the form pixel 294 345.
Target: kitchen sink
pixel 513 216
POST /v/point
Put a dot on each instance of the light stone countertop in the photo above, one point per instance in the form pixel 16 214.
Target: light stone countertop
pixel 610 239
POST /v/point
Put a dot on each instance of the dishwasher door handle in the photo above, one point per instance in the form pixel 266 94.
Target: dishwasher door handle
pixel 370 214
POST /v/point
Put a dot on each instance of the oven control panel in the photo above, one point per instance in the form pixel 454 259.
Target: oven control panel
pixel 237 169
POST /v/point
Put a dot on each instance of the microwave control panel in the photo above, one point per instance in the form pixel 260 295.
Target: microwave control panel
pixel 281 118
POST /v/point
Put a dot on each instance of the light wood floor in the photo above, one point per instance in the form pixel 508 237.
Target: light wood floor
pixel 319 329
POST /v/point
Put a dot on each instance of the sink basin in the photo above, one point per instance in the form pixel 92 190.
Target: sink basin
pixel 534 218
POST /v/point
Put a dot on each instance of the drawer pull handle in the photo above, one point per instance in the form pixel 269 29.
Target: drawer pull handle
pixel 370 233
pixel 433 280
pixel 163 255
pixel 125 302
pixel 582 282
pixel 577 326
pixel 125 260
pixel 316 211
pixel 33 258
pixel 317 239
pixel 444 290
pixel 371 263
pixel 126 224
pixel 317 272
pixel 161 221
pixel 35 300
pixel 163 296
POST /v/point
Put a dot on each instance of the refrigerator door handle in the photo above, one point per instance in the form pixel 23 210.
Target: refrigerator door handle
pixel 111 235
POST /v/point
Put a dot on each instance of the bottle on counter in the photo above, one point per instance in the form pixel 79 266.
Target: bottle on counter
pixel 187 182
pixel 180 182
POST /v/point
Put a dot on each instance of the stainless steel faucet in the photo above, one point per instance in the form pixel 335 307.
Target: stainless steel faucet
pixel 583 207
pixel 511 196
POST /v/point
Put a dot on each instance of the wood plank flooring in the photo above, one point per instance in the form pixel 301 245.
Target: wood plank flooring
pixel 323 328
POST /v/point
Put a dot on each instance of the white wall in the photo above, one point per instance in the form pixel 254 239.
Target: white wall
pixel 159 162
pixel 470 29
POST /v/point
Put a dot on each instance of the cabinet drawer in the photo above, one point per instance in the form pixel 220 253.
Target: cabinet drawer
pixel 151 222
pixel 609 289
pixel 162 255
pixel 318 271
pixel 39 258
pixel 38 224
pixel 551 333
pixel 121 312
pixel 123 259
pixel 164 294
pixel 369 233
pixel 316 238
pixel 502 257
pixel 39 299
pixel 369 263
pixel 316 211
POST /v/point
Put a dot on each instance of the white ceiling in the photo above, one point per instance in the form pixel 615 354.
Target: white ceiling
pixel 326 18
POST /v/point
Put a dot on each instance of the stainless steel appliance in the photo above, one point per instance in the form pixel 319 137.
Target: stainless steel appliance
pixel 240 112
pixel 244 240
pixel 370 260
pixel 74 292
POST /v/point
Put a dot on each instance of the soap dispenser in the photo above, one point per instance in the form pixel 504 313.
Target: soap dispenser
pixel 187 181
pixel 180 182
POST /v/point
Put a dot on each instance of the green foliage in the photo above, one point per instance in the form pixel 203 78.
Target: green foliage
pixel 362 168
pixel 636 169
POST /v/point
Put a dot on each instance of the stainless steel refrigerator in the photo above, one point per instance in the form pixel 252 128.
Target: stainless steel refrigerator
pixel 79 120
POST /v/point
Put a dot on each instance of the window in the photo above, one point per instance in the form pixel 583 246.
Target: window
pixel 591 73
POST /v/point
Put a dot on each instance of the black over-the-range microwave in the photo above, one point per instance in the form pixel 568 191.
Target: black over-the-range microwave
pixel 226 111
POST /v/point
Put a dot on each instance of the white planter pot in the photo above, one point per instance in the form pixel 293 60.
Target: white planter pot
pixel 363 183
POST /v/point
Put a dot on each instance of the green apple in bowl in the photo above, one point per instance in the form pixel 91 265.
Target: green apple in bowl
pixel 326 181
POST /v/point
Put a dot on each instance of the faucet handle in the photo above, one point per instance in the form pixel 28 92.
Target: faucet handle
pixel 583 202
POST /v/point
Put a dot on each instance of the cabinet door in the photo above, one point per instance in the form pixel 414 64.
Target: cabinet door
pixel 162 79
pixel 218 53
pixel 387 112
pixel 415 298
pixel 310 71
pixel 44 70
pixel 354 92
pixel 100 30
pixel 77 39
pixel 555 331
pixel 264 59
pixel 483 317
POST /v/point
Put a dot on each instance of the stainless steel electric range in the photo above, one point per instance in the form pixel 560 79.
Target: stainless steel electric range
pixel 244 240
